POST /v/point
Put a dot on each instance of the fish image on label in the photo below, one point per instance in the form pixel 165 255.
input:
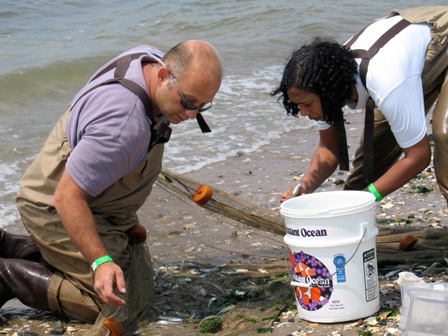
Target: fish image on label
pixel 312 279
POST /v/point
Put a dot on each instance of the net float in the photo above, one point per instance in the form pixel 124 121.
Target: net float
pixel 203 195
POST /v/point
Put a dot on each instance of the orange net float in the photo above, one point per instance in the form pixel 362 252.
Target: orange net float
pixel 408 242
pixel 203 195
pixel 114 326
pixel 136 234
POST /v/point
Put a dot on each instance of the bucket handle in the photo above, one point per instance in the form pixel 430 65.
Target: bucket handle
pixel 298 284
pixel 356 250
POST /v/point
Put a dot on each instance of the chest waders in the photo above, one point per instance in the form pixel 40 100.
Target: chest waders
pixel 69 289
pixel 139 274
pixel 366 56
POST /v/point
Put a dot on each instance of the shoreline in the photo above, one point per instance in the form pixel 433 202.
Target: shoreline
pixel 263 175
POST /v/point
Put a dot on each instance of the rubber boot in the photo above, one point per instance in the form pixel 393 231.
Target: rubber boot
pixel 18 247
pixel 26 280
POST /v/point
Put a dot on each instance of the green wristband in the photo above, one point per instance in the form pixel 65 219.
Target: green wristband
pixel 375 192
pixel 101 261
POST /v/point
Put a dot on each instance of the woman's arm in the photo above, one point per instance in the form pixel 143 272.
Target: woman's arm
pixel 416 158
pixel 323 163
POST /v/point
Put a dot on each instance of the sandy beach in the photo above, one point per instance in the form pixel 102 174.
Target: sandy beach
pixel 261 177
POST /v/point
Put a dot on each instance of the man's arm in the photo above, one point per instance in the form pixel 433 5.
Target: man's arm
pixel 323 163
pixel 71 204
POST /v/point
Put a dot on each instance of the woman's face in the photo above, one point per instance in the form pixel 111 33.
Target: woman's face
pixel 309 103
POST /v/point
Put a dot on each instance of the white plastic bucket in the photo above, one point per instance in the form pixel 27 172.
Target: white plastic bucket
pixel 331 242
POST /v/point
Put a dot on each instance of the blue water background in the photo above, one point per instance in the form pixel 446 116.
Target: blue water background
pixel 49 49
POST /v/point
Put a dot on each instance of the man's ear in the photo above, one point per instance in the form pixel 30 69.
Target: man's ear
pixel 162 74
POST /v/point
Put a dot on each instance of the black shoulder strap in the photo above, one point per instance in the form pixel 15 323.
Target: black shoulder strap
pixel 366 56
pixel 386 37
pixel 342 135
pixel 160 131
pixel 342 147
pixel 354 38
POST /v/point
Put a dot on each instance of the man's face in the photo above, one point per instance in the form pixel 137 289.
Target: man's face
pixel 309 103
pixel 195 86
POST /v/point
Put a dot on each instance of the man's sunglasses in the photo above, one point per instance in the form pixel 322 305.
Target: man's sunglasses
pixel 184 102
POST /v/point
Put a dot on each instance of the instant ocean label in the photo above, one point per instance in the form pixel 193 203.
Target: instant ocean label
pixel 315 277
pixel 304 232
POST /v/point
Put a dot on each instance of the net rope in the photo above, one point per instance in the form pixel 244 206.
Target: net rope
pixel 202 249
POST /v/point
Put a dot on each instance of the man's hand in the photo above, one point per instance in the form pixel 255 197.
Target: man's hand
pixel 108 276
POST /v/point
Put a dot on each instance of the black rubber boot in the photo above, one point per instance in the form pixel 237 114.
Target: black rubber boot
pixel 18 247
pixel 26 280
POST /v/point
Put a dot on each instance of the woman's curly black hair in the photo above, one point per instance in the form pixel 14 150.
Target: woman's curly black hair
pixel 325 68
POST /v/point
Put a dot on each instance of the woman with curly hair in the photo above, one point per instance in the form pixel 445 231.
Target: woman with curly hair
pixel 324 68
pixel 396 69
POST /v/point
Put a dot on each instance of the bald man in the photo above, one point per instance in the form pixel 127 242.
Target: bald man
pixel 79 198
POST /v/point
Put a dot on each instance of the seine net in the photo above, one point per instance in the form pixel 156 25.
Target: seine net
pixel 200 254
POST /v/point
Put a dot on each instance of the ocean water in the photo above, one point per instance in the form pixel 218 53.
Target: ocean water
pixel 49 49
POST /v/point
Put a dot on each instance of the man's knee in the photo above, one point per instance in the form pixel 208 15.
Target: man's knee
pixel 67 299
